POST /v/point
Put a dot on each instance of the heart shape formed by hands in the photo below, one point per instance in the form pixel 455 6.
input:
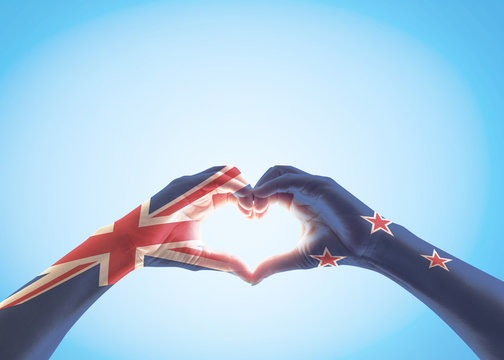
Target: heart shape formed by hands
pixel 335 225
pixel 337 229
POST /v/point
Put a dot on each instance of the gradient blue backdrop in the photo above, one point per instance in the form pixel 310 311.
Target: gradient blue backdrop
pixel 103 103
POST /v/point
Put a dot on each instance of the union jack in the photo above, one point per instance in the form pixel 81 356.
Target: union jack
pixel 164 227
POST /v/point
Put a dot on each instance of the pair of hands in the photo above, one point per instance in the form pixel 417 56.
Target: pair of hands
pixel 166 231
pixel 337 229
pixel 336 226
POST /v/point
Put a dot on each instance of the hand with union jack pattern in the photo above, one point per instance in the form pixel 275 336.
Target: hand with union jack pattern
pixel 163 231
pixel 339 229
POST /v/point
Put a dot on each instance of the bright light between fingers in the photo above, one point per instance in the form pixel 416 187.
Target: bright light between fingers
pixel 252 240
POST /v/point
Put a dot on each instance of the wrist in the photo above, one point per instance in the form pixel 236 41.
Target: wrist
pixel 390 254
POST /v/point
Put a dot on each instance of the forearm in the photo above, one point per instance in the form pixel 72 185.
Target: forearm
pixel 33 330
pixel 34 319
pixel 470 301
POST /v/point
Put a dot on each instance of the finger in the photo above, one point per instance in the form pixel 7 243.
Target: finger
pixel 192 255
pixel 219 200
pixel 245 201
pixel 225 180
pixel 245 205
pixel 216 260
pixel 276 171
pixel 287 183
pixel 239 188
pixel 215 190
pixel 192 194
pixel 230 180
pixel 291 260
pixel 261 205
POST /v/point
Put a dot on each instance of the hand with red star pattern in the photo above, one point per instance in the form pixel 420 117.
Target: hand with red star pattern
pixel 339 229
pixel 335 224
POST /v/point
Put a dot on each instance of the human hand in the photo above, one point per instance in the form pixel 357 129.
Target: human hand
pixel 336 226
pixel 179 208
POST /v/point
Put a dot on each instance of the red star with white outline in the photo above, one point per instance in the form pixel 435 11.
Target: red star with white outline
pixel 436 260
pixel 378 223
pixel 327 258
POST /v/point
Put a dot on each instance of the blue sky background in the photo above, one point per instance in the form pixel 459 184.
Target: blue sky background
pixel 102 104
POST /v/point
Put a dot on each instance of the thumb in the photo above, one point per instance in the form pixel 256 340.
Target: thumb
pixel 290 260
pixel 224 262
